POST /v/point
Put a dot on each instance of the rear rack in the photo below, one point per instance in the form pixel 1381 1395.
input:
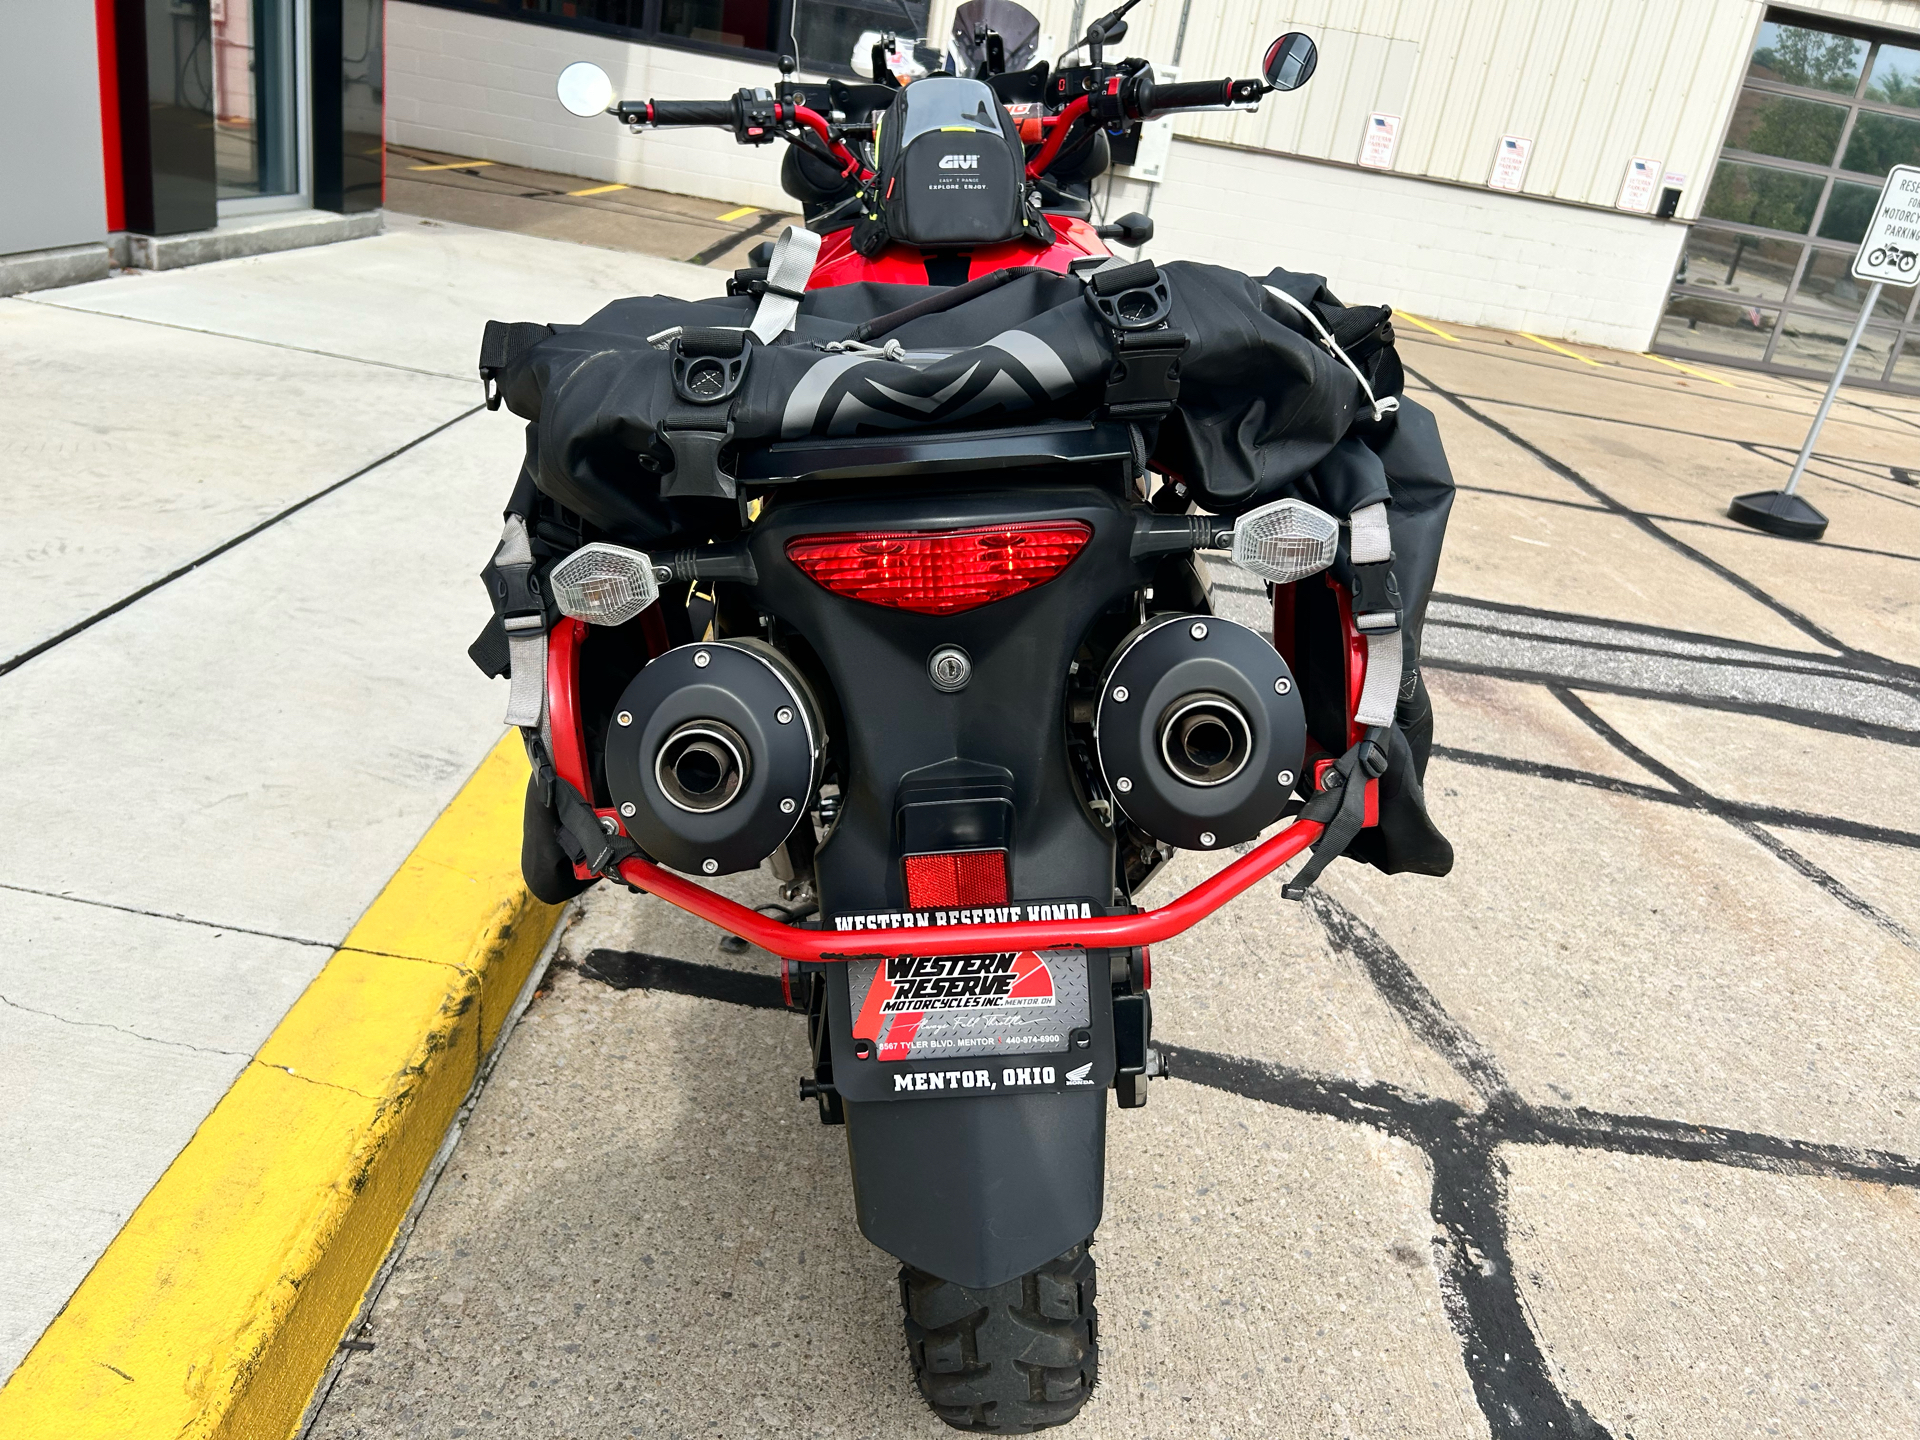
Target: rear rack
pixel 1073 442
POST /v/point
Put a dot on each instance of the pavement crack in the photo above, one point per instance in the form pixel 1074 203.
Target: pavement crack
pixel 323 1084
pixel 32 651
pixel 179 919
pixel 1758 814
pixel 1819 634
pixel 244 339
pixel 1768 841
pixel 1418 1008
pixel 121 1030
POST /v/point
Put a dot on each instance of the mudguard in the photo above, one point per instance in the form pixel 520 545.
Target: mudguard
pixel 979 1190
pixel 979 1168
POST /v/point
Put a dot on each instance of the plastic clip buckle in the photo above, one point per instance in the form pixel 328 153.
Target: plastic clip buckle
pixel 1377 607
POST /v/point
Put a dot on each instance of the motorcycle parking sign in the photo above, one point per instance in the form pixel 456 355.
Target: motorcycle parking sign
pixel 1890 252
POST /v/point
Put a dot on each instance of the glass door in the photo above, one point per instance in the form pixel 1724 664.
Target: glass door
pixel 1764 279
pixel 257 106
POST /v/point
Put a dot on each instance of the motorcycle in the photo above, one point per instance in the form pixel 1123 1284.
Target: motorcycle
pixel 957 683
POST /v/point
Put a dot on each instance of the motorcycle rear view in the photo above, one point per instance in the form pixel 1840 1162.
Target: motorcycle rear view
pixel 902 597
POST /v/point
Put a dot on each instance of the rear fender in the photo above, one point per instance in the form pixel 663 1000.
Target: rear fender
pixel 980 1182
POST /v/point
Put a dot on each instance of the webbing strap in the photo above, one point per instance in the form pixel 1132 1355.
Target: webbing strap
pixel 787 275
pixel 526 636
pixel 1372 544
pixel 1342 807
pixel 1382 405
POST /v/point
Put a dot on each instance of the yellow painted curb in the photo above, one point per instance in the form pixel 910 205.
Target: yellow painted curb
pixel 218 1306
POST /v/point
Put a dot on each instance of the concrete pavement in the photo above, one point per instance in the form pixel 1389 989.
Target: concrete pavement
pixel 1613 1132
pixel 249 501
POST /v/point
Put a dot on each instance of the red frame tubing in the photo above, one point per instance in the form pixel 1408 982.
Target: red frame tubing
pixel 1057 137
pixel 817 123
pixel 569 736
pixel 1115 932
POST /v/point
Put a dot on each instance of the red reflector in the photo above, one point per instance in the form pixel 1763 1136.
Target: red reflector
pixel 974 877
pixel 939 572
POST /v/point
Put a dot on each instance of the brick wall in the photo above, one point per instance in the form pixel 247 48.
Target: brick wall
pixel 480 86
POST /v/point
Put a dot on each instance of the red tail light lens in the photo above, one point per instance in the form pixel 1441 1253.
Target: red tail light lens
pixel 973 877
pixel 940 572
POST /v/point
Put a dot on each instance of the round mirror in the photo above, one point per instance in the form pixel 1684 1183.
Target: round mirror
pixel 1290 61
pixel 586 90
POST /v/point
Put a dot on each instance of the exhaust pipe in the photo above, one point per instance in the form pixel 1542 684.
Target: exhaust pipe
pixel 1200 732
pixel 714 755
pixel 1205 738
pixel 702 766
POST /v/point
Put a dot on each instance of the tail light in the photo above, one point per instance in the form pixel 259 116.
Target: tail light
pixel 972 877
pixel 940 572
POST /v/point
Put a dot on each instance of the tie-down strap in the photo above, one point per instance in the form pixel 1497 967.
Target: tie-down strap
pixel 708 366
pixel 516 601
pixel 1341 806
pixel 787 275
pixel 1134 301
pixel 1377 612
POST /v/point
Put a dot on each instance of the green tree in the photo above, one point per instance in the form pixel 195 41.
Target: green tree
pixel 1812 58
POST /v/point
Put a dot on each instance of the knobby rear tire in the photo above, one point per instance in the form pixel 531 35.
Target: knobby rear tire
pixel 1018 1357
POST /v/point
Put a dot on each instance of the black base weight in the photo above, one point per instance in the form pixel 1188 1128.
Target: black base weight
pixel 1778 513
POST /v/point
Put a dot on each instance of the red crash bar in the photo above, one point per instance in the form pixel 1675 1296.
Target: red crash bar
pixel 794 942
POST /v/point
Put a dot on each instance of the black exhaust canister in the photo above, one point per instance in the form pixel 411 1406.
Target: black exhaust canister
pixel 1200 731
pixel 713 755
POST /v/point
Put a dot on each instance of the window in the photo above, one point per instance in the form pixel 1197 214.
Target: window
pixel 1814 59
pixel 730 24
pixel 1763 279
pixel 833 35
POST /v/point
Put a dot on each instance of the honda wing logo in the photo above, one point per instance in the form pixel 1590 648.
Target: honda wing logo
pixel 1081 1074
pixel 959 162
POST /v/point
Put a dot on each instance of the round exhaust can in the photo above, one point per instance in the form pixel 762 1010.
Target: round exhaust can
pixel 1200 731
pixel 714 755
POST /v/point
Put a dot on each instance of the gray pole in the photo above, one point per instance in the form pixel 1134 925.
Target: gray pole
pixel 1833 388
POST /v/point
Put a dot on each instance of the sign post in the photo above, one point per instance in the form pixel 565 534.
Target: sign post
pixel 1889 255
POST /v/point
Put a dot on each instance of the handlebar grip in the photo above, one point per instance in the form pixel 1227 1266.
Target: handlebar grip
pixel 1198 94
pixel 687 112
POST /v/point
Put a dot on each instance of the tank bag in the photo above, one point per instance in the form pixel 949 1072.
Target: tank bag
pixel 952 172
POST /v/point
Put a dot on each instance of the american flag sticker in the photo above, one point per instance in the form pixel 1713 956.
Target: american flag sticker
pixel 1376 151
pixel 1637 190
pixel 1510 162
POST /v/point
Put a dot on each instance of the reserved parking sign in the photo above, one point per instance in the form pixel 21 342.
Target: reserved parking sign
pixel 1890 253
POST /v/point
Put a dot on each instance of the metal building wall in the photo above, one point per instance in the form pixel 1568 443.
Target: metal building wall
pixel 1593 83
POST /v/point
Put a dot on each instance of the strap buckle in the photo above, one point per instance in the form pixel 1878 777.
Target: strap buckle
pixel 696 469
pixel 1145 380
pixel 1377 607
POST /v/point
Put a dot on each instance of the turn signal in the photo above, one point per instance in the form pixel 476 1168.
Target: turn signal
pixel 1285 541
pixel 940 572
pixel 604 584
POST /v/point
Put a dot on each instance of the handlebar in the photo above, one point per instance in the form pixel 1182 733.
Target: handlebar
pixel 1137 97
pixel 1153 98
pixel 752 115
pixel 677 112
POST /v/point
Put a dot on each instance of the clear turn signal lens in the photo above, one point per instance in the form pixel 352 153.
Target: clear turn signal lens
pixel 1285 541
pixel 604 584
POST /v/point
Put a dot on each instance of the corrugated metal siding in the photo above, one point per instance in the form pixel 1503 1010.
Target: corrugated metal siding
pixel 1593 83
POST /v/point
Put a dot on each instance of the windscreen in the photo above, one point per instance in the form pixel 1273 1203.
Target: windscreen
pixel 1017 27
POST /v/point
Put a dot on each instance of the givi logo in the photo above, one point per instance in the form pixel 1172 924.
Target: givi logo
pixel 959 162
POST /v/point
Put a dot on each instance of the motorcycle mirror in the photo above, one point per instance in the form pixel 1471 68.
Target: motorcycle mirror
pixel 585 89
pixel 1290 61
pixel 1285 541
